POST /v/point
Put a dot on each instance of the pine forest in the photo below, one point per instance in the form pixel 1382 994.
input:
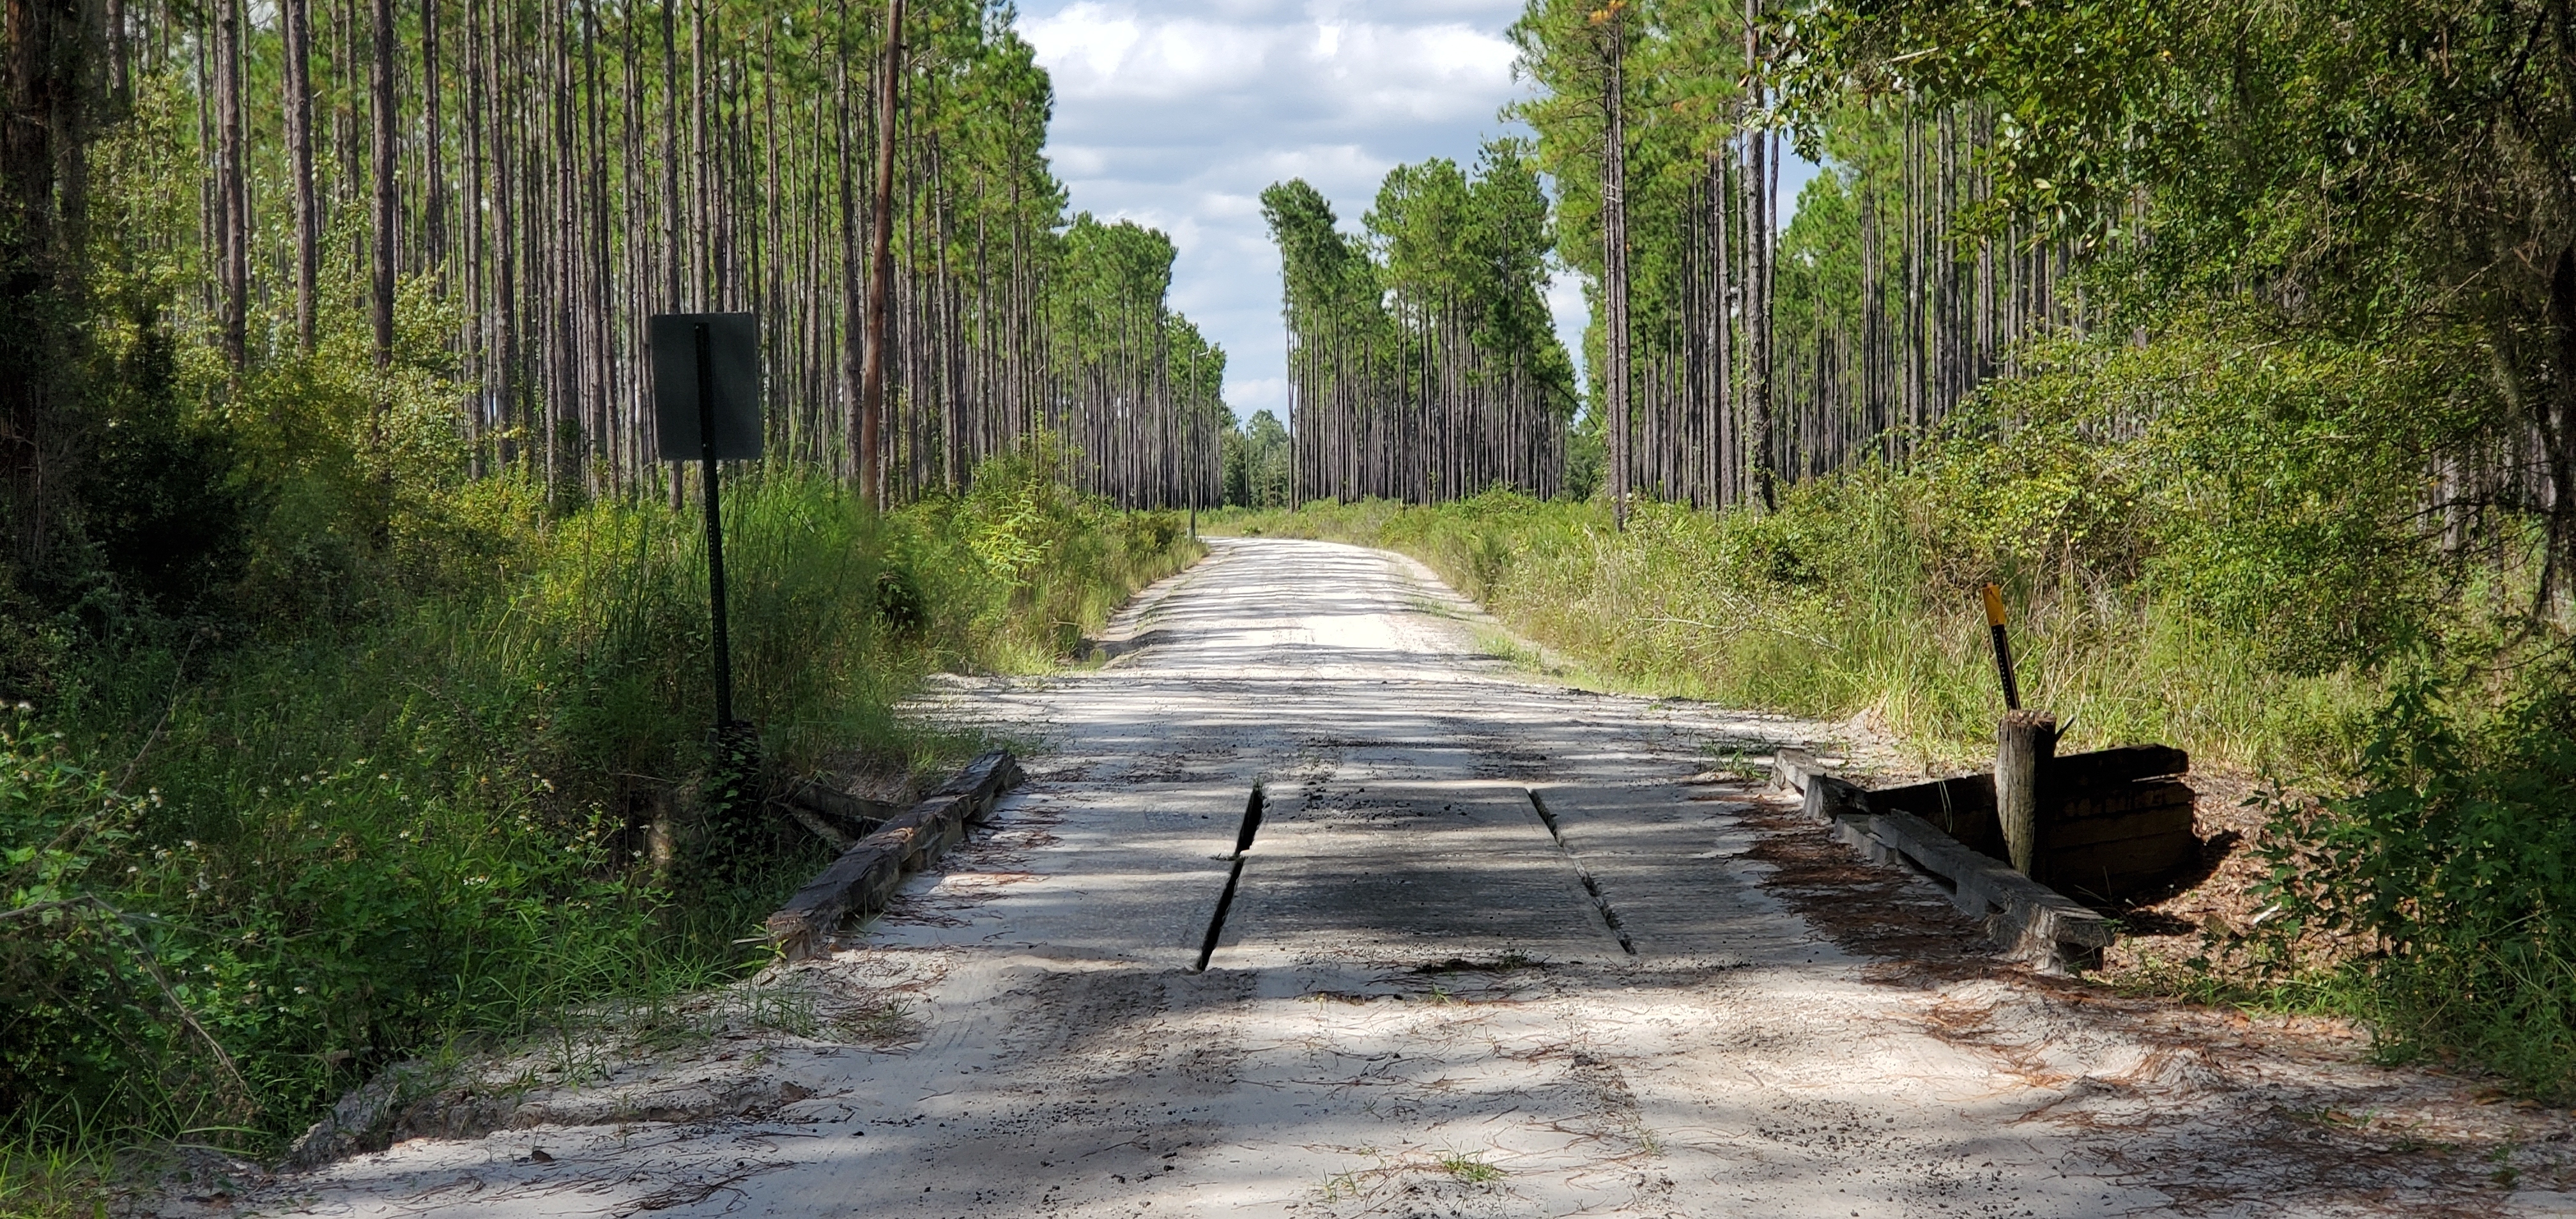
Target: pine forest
pixel 398 735
pixel 466 211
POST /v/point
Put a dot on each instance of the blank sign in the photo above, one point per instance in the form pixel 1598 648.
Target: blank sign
pixel 733 352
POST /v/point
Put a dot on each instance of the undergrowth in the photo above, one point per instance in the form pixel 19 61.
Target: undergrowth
pixel 247 867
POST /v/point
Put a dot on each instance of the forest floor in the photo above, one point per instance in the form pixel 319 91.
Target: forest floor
pixel 1679 999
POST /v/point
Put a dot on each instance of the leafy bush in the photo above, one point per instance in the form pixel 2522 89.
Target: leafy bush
pixel 2454 864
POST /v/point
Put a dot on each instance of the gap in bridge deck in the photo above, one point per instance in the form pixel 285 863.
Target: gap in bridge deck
pixel 1609 913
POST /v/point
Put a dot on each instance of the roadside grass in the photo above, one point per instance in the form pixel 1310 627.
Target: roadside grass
pixel 50 1183
pixel 1806 613
pixel 250 864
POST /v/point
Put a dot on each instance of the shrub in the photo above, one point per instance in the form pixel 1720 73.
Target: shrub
pixel 2454 864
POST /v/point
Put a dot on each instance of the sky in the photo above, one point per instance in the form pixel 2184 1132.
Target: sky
pixel 1177 113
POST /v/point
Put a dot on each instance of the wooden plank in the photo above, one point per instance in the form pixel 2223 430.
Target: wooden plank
pixel 984 779
pixel 2151 822
pixel 1791 768
pixel 1962 793
pixel 866 876
pixel 2098 863
pixel 1829 798
pixel 2078 773
pixel 929 828
pixel 988 773
pixel 2029 919
pixel 862 873
pixel 1962 807
pixel 822 827
pixel 2127 798
pixel 858 813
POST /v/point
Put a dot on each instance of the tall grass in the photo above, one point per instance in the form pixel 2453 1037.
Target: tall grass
pixel 246 869
pixel 1833 608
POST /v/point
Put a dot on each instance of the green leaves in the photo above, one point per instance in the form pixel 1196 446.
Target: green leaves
pixel 2455 861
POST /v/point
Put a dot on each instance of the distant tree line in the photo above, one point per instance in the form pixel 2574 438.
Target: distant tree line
pixel 1257 473
pixel 1999 185
pixel 1423 364
pixel 1729 352
pixel 478 202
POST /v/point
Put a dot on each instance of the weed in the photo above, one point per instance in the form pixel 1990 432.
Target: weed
pixel 1737 762
pixel 50 1183
pixel 875 1024
pixel 2463 799
pixel 1471 1169
pixel 1519 655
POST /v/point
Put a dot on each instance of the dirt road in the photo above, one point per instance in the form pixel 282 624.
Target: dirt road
pixel 1427 1000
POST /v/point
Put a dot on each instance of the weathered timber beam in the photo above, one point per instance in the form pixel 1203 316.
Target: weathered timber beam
pixel 2070 775
pixel 1791 768
pixel 2124 799
pixel 821 826
pixel 1829 798
pixel 2029 919
pixel 866 876
pixel 858 811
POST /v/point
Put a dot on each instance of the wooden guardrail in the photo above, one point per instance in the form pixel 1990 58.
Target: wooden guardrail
pixel 2025 917
pixel 867 874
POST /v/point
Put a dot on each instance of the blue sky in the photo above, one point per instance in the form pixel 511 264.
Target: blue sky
pixel 1176 113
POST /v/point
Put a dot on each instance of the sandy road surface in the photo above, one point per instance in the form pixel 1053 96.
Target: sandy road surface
pixel 1422 1004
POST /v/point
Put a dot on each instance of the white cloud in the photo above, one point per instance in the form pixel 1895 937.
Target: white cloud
pixel 1249 395
pixel 1566 305
pixel 1178 114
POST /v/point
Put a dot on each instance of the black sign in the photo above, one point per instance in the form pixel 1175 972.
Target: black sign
pixel 733 350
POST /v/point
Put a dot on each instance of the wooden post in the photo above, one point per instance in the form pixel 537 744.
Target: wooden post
pixel 2023 746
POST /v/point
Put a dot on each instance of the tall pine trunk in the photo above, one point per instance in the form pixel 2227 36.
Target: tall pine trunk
pixel 1614 266
pixel 381 92
pixel 872 368
pixel 297 18
pixel 43 213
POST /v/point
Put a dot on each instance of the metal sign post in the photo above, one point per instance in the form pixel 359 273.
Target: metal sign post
pixel 1994 598
pixel 706 400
